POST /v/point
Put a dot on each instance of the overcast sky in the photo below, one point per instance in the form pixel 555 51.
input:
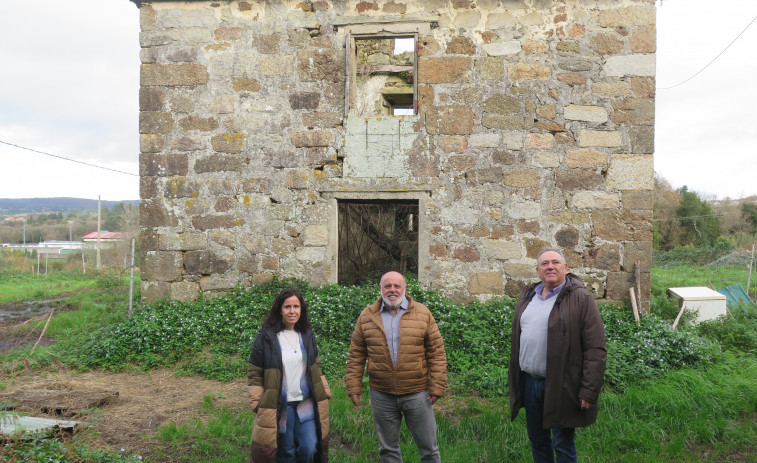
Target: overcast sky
pixel 70 86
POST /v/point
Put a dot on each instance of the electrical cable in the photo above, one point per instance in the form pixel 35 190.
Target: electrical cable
pixel 713 59
pixel 67 159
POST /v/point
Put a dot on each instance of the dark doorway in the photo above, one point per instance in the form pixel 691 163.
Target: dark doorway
pixel 376 236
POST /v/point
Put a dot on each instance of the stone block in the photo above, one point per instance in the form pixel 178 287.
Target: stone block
pixel 534 246
pixel 630 65
pixel 243 84
pixel 501 104
pixel 502 250
pixel 185 291
pixel 568 217
pixel 585 158
pixel 449 120
pixel 459 163
pixel 633 111
pixel 151 99
pixel 461 45
pixel 595 114
pixel 154 291
pixel 540 141
pixel 154 213
pixel 638 200
pixel 325 120
pixel 512 47
pixel 522 177
pixel 606 44
pixel 497 121
pixel 204 263
pixel 575 65
pixel 529 210
pixel 567 46
pixel 500 20
pixel 452 143
pixel 311 138
pixel 528 71
pixel 203 124
pixel 162 266
pixel 642 139
pixel 467 253
pixel 520 271
pixel 637 251
pixel 643 87
pixel 316 235
pixel 486 283
pixel 490 68
pixel 155 122
pixel 220 163
pixel 163 165
pixel 534 47
pixel 438 250
pixel 617 89
pixel 223 238
pixel 228 142
pixel 173 75
pixel 468 19
pixel 567 237
pixel 210 222
pixel 320 65
pixel 151 142
pixel 595 200
pixel 444 70
pixel 621 225
pixel 276 65
pixel 578 179
pixel 485 175
pixel 637 15
pixel 310 255
pixel 572 78
pixel 644 40
pixel 601 138
pixel 545 159
pixel 618 284
pixel 304 100
pixel 631 172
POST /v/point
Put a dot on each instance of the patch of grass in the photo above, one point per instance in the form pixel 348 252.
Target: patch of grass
pixel 43 448
pixel 17 287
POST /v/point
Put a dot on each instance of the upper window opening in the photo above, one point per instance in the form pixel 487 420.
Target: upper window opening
pixel 382 76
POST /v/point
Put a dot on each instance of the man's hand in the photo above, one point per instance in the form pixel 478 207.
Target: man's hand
pixel 355 398
pixel 433 398
pixel 584 404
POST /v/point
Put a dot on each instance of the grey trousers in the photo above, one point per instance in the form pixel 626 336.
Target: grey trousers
pixel 388 410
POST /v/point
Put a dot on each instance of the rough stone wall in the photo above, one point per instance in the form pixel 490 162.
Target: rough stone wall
pixel 535 127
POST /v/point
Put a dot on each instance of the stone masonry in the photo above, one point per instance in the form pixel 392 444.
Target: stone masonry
pixel 535 126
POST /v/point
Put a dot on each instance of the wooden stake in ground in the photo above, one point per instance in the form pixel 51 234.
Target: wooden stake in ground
pixel 678 318
pixel 637 275
pixel 634 306
pixel 43 330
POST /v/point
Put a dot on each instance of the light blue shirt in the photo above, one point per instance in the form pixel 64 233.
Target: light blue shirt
pixel 392 327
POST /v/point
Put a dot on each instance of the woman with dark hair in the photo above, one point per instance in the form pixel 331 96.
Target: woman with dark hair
pixel 288 392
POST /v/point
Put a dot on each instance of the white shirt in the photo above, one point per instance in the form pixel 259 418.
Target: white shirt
pixel 294 364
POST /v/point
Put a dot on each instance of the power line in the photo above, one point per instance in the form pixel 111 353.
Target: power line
pixel 713 59
pixel 670 219
pixel 66 159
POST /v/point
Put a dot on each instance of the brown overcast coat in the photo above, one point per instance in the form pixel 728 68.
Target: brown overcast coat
pixel 421 359
pixel 576 355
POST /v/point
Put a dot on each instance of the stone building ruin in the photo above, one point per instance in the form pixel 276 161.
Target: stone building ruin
pixel 331 140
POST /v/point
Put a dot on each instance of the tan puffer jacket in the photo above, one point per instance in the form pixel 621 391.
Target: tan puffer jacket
pixel 421 359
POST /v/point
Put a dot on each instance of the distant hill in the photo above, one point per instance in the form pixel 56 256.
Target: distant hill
pixel 31 205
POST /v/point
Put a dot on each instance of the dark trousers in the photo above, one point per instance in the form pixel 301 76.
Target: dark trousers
pixel 546 443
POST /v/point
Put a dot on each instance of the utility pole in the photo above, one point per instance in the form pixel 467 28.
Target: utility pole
pixel 24 219
pixel 70 237
pixel 98 232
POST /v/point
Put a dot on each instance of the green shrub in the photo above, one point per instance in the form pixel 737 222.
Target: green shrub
pixel 736 331
pixel 40 447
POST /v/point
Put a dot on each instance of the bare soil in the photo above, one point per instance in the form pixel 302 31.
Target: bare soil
pixel 144 402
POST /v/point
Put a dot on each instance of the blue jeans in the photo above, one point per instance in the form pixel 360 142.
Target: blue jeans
pixel 388 410
pixel 546 443
pixel 299 443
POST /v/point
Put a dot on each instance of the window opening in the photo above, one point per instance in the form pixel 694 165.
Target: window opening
pixel 382 79
pixel 376 236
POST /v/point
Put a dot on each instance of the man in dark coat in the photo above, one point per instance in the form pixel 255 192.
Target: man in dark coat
pixel 557 359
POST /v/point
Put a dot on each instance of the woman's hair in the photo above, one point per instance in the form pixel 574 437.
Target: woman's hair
pixel 273 318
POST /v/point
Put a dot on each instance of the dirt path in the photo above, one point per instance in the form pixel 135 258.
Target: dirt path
pixel 145 401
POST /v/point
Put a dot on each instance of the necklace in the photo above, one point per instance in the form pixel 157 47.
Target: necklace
pixel 282 334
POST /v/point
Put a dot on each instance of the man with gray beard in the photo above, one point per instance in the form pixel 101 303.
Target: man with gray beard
pixel 407 369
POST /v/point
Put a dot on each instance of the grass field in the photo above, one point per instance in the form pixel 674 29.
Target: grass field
pixel 701 413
